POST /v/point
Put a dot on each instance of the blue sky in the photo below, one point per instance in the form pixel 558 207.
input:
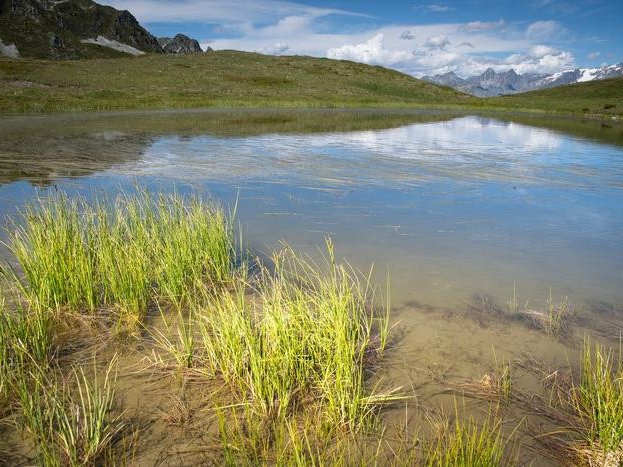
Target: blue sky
pixel 417 37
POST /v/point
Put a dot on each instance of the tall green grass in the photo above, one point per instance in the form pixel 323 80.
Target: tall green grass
pixel 120 253
pixel 54 248
pixel 599 400
pixel 69 423
pixel 297 441
pixel 26 342
pixel 295 337
pixel 470 444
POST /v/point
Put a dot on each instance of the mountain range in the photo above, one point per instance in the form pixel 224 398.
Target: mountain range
pixel 73 29
pixel 492 83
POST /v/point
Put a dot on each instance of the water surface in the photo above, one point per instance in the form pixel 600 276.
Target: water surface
pixel 454 206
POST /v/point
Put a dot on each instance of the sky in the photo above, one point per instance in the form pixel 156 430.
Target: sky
pixel 416 37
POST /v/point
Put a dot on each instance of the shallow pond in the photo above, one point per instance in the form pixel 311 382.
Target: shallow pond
pixel 453 206
pixel 462 212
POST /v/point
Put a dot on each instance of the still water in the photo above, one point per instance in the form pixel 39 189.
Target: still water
pixel 452 206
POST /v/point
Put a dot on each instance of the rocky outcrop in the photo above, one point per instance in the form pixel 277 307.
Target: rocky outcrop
pixel 59 29
pixel 180 44
pixel 8 50
pixel 489 83
pixel 492 83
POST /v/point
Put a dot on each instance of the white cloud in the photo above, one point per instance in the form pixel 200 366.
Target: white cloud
pixel 439 42
pixel 286 27
pixel 594 55
pixel 278 48
pixel 556 6
pixel 541 59
pixel 544 30
pixel 371 51
pixel 437 8
pixel 540 51
pixel 480 26
pixel 290 25
pixel 217 11
pixel 464 53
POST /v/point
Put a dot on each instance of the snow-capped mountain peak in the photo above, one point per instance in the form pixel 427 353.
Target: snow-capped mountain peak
pixel 492 83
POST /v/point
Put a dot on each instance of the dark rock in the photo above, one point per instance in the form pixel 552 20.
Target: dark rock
pixel 52 29
pixel 180 44
pixel 163 41
pixel 126 29
pixel 56 41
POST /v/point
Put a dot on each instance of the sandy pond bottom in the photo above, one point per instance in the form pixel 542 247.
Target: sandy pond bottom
pixel 473 218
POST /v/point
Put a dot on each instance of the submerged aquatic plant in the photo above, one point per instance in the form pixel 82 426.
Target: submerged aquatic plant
pixel 514 305
pixel 555 320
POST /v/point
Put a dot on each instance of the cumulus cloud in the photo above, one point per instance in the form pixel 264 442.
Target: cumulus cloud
pixel 467 44
pixel 371 51
pixel 540 51
pixel 438 42
pixel 407 35
pixel 541 59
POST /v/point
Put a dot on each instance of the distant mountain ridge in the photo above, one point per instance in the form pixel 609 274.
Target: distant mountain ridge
pixel 71 29
pixel 492 83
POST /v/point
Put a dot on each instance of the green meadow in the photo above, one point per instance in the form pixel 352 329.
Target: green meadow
pixel 243 79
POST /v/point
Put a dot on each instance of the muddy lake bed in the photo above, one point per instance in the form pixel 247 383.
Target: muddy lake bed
pixel 476 220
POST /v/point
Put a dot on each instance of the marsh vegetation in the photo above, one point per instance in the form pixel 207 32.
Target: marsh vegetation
pixel 272 361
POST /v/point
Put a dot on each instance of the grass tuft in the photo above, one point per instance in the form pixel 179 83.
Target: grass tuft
pixel 69 424
pixel 555 320
pixel 55 251
pixel 469 444
pixel 295 338
pixel 121 254
pixel 599 401
pixel 26 342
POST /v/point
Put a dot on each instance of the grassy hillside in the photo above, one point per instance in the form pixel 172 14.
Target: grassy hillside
pixel 243 79
pixel 225 78
pixel 592 98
